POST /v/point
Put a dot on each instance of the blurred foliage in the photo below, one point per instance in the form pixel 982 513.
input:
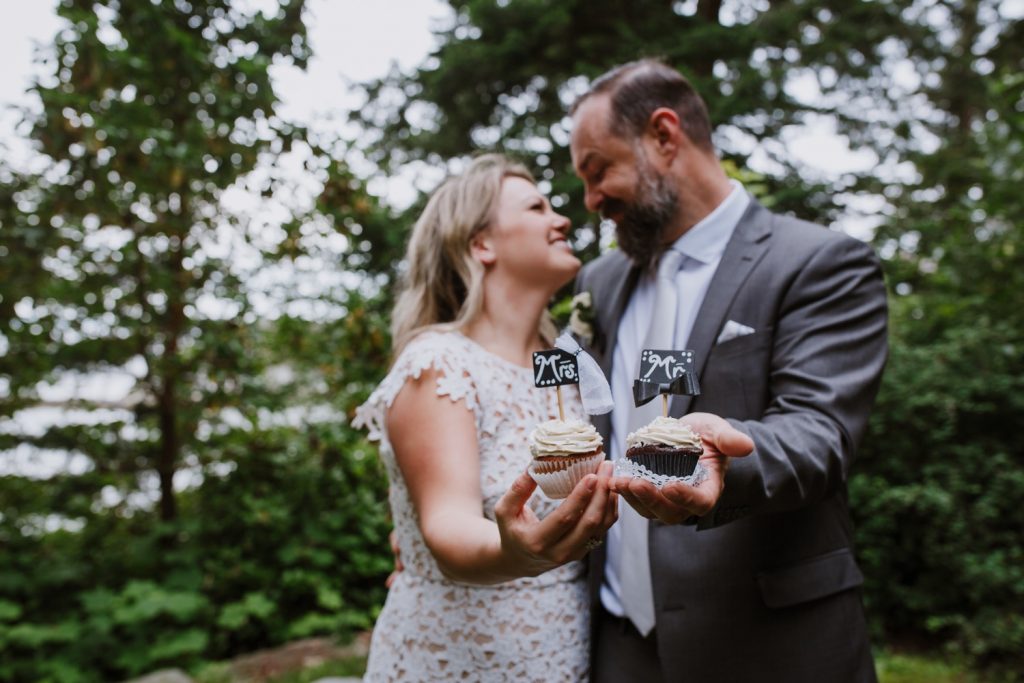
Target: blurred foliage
pixel 505 73
pixel 910 668
pixel 933 90
pixel 120 253
pixel 223 504
pixel 940 524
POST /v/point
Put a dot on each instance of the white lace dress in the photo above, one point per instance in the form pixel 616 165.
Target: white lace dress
pixel 435 629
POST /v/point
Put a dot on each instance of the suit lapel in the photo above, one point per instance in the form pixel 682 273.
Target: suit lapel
pixel 620 278
pixel 747 246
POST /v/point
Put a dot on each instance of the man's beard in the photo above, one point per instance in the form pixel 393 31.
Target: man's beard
pixel 644 223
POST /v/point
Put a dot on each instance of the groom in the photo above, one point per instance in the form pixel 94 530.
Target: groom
pixel 755 581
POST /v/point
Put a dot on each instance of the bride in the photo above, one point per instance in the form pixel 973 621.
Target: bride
pixel 493 586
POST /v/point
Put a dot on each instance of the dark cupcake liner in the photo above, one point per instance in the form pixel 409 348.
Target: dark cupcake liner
pixel 671 463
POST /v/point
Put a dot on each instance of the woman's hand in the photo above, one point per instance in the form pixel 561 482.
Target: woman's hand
pixel 532 546
pixel 435 445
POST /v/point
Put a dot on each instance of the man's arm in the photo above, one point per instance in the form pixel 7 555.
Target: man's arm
pixel 829 350
pixel 828 353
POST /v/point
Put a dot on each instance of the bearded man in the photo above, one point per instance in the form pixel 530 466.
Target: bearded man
pixel 751 576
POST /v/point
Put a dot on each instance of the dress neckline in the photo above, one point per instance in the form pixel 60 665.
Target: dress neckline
pixel 484 350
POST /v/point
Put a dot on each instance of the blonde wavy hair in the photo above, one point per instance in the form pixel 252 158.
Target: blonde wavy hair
pixel 443 286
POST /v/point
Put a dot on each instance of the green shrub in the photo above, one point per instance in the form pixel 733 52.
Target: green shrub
pixel 937 498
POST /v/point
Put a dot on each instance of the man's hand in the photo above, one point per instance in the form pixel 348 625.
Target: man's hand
pixel 675 501
pixel 533 546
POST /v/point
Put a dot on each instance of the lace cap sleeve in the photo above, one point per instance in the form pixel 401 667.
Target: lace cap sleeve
pixel 447 353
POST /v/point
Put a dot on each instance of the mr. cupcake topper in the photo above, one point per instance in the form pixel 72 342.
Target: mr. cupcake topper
pixel 570 364
pixel 663 373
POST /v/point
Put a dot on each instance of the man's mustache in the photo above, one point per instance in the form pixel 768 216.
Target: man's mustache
pixel 613 207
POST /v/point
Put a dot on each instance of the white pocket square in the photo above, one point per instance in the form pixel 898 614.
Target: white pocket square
pixel 732 330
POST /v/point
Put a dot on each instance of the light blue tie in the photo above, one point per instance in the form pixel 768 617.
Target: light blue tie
pixel 635 564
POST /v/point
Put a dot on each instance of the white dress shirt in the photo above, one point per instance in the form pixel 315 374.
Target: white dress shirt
pixel 702 247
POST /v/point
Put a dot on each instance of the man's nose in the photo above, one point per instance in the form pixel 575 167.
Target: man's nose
pixel 592 199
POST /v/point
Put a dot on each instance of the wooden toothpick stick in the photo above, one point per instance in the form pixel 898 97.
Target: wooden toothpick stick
pixel 664 405
pixel 561 410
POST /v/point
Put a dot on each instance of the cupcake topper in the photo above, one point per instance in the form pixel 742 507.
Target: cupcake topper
pixel 570 364
pixel 555 368
pixel 665 372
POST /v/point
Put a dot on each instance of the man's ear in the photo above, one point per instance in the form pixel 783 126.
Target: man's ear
pixel 664 131
pixel 481 248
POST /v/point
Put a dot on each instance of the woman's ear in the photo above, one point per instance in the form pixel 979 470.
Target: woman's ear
pixel 481 248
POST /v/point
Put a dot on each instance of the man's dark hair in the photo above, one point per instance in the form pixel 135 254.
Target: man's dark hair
pixel 638 88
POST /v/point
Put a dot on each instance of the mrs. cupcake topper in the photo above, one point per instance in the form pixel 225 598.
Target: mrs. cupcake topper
pixel 570 364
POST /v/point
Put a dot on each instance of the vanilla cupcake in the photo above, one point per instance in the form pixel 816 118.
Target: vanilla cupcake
pixel 563 453
pixel 665 446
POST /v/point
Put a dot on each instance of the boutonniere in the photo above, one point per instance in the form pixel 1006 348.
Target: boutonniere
pixel 581 319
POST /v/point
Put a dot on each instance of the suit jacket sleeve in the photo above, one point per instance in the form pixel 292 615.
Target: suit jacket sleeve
pixel 828 351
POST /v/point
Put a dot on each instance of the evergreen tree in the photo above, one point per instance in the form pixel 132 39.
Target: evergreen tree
pixel 933 90
pixel 504 74
pixel 223 504
pixel 152 112
pixel 943 469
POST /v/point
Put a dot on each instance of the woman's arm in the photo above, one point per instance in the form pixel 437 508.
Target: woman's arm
pixel 435 445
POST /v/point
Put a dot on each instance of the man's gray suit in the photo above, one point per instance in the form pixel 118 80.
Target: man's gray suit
pixel 765 587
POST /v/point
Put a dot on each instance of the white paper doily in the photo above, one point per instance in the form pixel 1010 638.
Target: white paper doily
pixel 624 467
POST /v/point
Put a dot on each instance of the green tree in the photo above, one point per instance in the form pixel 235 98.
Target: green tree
pixel 504 74
pixel 152 112
pixel 941 524
pixel 224 503
pixel 933 90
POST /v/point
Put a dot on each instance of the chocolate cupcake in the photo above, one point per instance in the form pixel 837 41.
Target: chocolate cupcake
pixel 563 453
pixel 665 447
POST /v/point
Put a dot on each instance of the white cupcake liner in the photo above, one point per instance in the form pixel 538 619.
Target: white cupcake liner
pixel 557 478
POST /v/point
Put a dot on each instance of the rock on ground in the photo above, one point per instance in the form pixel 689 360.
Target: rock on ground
pixel 260 666
pixel 302 654
pixel 164 676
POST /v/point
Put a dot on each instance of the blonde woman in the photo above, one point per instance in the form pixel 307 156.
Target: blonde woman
pixel 492 587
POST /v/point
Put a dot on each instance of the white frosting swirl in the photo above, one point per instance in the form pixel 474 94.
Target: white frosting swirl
pixel 569 437
pixel 664 430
